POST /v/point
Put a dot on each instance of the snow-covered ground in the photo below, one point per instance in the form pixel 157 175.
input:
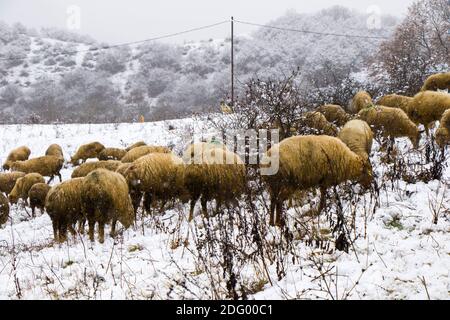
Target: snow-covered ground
pixel 403 256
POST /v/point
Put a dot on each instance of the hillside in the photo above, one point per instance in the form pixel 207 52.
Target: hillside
pixel 45 76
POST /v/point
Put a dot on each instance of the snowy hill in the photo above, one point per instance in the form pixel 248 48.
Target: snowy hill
pixel 38 69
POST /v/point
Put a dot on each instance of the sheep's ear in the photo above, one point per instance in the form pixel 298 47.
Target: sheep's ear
pixel 421 131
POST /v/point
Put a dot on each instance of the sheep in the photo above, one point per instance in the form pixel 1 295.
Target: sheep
pixel 55 150
pixel 47 166
pixel 334 114
pixel 4 209
pixel 311 162
pixel 428 107
pixel 112 154
pixel 87 151
pixel 135 195
pixel 8 180
pixel 138 152
pixel 37 194
pixel 135 145
pixel 395 101
pixel 361 101
pixel 442 134
pixel 18 154
pixel 358 136
pixel 391 123
pixel 158 175
pixel 105 199
pixel 23 185
pixel 316 121
pixel 63 205
pixel 215 173
pixel 197 151
pixel 84 169
pixel 439 81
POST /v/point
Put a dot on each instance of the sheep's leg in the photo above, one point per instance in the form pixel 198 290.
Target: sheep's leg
pixel 101 231
pixel 323 200
pixel 279 213
pixel 55 230
pixel 136 201
pixel 161 208
pixel 72 230
pixel 218 205
pixel 204 202
pixel 59 176
pixel 113 228
pixel 272 211
pixel 147 203
pixel 63 231
pixel 51 179
pixel 191 211
pixel 91 224
pixel 33 211
pixel 81 224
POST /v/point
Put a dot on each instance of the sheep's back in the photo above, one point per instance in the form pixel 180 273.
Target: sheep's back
pixel 311 161
pixel 85 168
pixel 8 180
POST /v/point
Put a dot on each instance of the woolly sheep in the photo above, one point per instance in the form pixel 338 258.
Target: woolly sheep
pixel 47 166
pixel 87 151
pixel 37 194
pixel 361 101
pixel 317 121
pixel 135 145
pixel 358 136
pixel 215 173
pixel 311 162
pixel 18 154
pixel 55 150
pixel 23 185
pixel 138 152
pixel 391 123
pixel 334 114
pixel 159 175
pixel 63 205
pixel 4 209
pixel 8 180
pixel 87 167
pixel 105 199
pixel 442 134
pixel 428 107
pixel 135 195
pixel 439 81
pixel 112 154
pixel 395 101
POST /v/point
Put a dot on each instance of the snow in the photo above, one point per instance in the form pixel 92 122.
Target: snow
pixel 409 259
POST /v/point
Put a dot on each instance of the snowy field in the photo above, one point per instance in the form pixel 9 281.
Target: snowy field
pixel 403 255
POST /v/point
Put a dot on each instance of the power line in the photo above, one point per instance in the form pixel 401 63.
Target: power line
pixel 311 32
pixel 127 43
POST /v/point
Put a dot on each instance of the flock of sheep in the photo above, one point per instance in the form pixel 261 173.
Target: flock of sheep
pixel 112 188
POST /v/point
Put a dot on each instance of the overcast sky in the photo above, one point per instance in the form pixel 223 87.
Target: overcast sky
pixel 117 21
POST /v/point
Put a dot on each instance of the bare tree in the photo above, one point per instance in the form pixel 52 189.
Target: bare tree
pixel 420 47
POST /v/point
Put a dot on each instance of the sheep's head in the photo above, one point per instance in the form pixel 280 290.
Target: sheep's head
pixel 366 177
pixel 13 197
pixel 442 137
pixel 7 165
pixel 415 138
pixel 74 160
pixel 127 215
pixel 132 176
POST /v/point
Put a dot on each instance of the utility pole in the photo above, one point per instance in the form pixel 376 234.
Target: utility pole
pixel 232 61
